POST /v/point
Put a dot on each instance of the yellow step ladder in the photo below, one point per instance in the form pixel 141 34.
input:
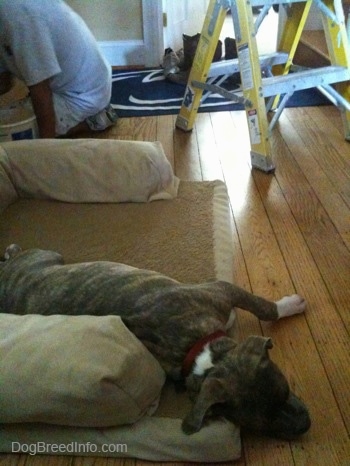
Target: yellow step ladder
pixel 264 79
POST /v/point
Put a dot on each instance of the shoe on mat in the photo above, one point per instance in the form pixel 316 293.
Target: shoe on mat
pixel 103 119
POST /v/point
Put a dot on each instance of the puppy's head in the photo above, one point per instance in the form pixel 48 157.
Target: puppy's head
pixel 247 388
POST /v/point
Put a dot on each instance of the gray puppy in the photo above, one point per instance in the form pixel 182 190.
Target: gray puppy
pixel 182 325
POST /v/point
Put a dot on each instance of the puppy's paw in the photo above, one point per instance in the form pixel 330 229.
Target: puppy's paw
pixel 290 305
pixel 12 251
pixel 188 427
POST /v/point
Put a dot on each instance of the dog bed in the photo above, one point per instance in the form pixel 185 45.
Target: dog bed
pixel 87 381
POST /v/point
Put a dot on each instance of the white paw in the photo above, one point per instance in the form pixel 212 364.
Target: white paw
pixel 231 320
pixel 290 305
pixel 11 251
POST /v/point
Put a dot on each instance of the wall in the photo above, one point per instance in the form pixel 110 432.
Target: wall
pixel 111 20
pixel 314 20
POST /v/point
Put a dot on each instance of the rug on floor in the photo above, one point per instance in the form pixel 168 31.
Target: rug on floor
pixel 148 93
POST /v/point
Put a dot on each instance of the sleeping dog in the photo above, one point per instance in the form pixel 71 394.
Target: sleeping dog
pixel 182 325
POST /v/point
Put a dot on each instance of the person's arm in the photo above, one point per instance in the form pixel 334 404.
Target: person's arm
pixel 42 101
pixel 6 82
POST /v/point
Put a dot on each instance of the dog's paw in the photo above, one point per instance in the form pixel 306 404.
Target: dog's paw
pixel 188 427
pixel 290 305
pixel 12 251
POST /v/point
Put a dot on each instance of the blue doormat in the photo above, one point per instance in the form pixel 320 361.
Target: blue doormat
pixel 148 93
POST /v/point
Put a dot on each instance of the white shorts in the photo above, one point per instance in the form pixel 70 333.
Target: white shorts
pixel 66 117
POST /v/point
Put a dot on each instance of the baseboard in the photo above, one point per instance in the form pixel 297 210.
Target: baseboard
pixel 124 52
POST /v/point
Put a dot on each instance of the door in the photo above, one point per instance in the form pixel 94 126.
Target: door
pixel 182 17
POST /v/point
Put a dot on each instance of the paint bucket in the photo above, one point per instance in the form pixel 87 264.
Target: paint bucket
pixel 17 121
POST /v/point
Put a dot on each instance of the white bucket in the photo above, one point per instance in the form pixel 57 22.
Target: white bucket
pixel 17 121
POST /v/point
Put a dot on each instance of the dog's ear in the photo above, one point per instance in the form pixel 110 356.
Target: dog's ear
pixel 257 343
pixel 212 391
pixel 221 346
pixel 252 354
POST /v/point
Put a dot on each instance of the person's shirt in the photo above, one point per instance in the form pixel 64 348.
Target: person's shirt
pixel 46 39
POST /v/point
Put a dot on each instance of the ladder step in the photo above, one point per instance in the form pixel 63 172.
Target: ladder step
pixel 272 2
pixel 224 67
pixel 276 85
pixel 234 96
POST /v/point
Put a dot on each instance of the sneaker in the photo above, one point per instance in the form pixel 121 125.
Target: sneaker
pixel 103 119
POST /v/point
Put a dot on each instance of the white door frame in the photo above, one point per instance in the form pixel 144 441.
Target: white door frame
pixel 147 51
pixel 152 11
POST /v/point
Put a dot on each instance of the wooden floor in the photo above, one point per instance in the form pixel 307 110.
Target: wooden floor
pixel 292 234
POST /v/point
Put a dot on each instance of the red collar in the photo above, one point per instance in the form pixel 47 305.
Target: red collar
pixel 197 348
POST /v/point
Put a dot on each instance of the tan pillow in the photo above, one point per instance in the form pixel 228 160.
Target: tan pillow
pixel 89 170
pixel 75 370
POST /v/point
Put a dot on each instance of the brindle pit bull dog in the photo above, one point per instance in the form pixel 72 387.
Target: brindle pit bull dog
pixel 182 325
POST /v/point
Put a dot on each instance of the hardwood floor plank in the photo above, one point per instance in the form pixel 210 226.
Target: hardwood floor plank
pixel 324 241
pixel 331 114
pixel 330 122
pixel 48 460
pixel 12 459
pixel 97 461
pixel 208 156
pixel 245 324
pixel 133 129
pixel 165 135
pixel 328 194
pixel 146 129
pixel 124 129
pixel 336 167
pixel 234 157
pixel 187 161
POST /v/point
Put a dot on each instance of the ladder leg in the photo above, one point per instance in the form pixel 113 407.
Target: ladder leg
pixel 339 52
pixel 297 14
pixel 210 34
pixel 251 79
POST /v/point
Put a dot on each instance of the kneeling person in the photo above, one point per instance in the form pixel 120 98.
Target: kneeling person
pixel 49 47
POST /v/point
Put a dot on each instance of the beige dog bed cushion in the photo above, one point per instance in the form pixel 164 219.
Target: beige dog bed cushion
pixel 68 381
pixel 86 170
pixel 88 380
pixel 75 371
